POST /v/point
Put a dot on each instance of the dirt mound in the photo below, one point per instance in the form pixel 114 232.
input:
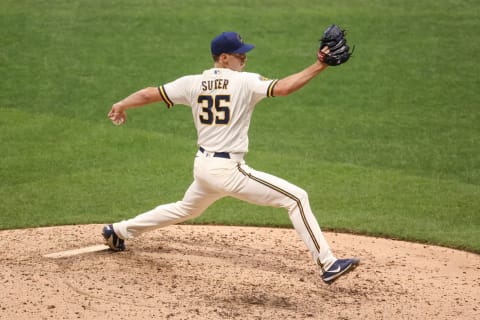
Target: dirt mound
pixel 212 272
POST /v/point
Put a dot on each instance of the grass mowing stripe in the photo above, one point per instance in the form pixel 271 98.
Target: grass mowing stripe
pixel 41 146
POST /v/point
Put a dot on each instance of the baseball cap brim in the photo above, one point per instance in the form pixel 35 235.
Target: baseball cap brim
pixel 244 48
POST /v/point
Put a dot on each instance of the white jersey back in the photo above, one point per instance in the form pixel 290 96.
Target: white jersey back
pixel 222 102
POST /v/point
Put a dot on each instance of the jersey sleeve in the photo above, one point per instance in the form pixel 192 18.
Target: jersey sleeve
pixel 175 92
pixel 260 86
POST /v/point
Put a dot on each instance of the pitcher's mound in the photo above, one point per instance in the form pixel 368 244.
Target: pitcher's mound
pixel 212 272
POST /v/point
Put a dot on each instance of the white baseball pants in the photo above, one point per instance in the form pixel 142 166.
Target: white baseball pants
pixel 216 178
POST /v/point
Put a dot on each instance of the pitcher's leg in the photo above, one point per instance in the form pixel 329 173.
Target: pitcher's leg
pixel 194 202
pixel 265 189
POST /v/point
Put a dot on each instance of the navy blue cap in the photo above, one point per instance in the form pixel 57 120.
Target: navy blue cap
pixel 229 42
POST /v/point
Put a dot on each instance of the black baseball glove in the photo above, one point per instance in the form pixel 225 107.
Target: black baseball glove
pixel 338 50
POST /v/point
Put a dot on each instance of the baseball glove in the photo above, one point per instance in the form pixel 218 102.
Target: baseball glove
pixel 338 50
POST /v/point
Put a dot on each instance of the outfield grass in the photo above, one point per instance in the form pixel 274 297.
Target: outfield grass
pixel 388 144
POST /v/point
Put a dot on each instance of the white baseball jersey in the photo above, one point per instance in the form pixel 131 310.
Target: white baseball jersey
pixel 222 102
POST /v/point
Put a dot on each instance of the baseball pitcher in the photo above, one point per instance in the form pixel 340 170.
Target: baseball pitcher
pixel 222 100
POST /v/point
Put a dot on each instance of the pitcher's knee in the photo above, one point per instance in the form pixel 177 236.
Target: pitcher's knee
pixel 297 199
pixel 303 195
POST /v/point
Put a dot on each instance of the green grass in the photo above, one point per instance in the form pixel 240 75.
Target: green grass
pixel 387 145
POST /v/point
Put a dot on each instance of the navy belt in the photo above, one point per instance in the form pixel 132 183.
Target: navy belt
pixel 225 155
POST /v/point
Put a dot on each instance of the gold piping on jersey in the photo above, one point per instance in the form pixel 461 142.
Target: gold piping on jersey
pixel 165 97
pixel 270 88
pixel 294 198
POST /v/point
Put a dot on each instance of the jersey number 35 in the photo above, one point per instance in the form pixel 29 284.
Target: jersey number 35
pixel 215 109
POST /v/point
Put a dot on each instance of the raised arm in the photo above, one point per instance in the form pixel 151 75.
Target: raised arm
pixel 138 99
pixel 296 81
